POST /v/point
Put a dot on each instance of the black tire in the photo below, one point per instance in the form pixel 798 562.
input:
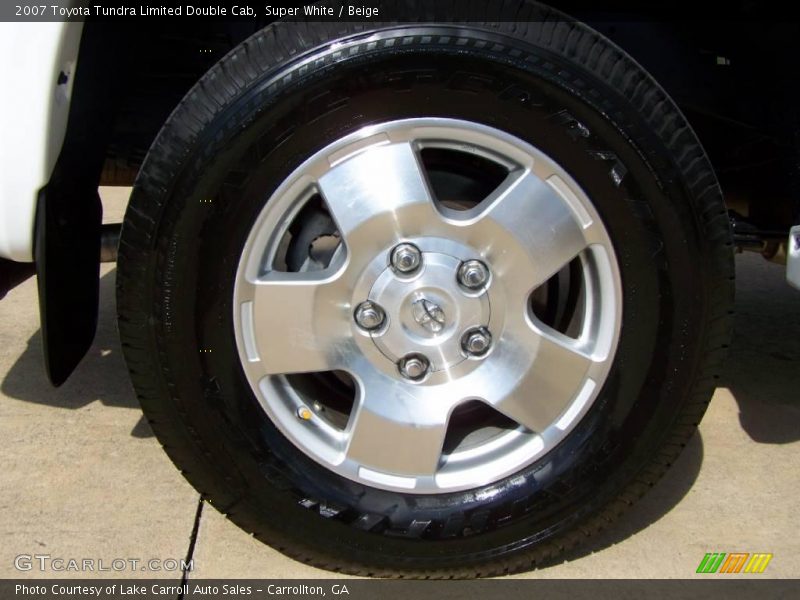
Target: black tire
pixel 258 113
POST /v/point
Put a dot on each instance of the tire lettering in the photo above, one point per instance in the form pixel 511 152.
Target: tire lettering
pixel 618 170
pixel 575 128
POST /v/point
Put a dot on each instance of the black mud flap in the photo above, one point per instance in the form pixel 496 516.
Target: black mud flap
pixel 69 212
pixel 67 252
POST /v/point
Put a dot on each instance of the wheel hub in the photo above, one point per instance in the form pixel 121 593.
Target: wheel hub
pixel 427 312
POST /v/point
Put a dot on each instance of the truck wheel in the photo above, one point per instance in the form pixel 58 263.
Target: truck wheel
pixel 422 299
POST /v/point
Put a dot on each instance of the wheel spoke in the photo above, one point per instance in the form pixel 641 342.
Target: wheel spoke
pixel 552 383
pixel 378 196
pixel 538 232
pixel 301 325
pixel 396 430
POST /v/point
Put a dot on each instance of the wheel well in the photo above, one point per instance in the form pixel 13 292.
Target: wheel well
pixel 736 82
pixel 156 67
pixel 743 114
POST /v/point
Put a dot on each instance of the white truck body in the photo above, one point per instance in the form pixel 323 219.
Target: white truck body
pixel 33 120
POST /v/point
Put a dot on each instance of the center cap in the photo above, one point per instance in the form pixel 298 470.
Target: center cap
pixel 427 312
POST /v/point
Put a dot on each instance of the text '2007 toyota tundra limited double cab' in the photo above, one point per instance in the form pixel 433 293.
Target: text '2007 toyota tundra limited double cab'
pixel 418 293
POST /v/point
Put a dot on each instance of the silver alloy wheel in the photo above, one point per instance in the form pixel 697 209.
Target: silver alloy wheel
pixel 373 183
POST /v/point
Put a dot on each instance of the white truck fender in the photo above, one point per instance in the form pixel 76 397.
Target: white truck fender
pixel 37 63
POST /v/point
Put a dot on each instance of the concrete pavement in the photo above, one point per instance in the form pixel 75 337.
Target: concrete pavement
pixel 83 477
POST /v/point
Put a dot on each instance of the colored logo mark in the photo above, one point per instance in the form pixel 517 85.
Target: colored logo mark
pixel 734 562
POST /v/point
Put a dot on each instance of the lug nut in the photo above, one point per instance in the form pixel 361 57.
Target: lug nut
pixel 369 316
pixel 406 258
pixel 473 274
pixel 476 342
pixel 413 366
